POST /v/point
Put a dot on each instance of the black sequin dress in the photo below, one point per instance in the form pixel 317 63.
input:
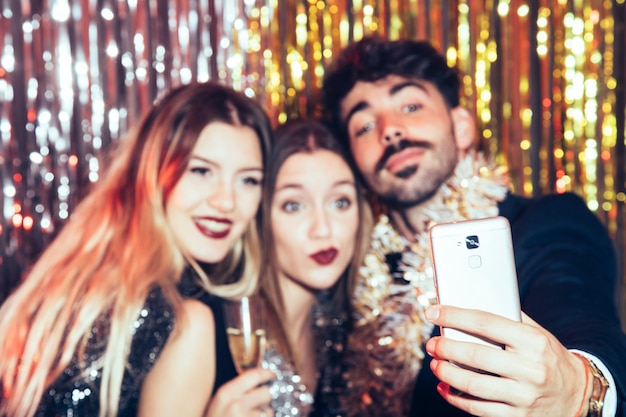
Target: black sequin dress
pixel 224 365
pixel 330 333
pixel 76 393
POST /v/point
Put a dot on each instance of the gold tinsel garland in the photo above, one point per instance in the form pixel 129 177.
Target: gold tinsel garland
pixel 385 350
pixel 542 77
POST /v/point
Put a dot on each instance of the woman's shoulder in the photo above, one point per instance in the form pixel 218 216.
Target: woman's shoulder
pixel 198 318
pixel 158 322
pixel 186 358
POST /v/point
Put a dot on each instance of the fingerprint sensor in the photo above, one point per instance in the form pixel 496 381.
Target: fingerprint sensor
pixel 475 261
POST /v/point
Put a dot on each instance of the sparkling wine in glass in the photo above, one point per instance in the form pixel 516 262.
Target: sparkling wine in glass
pixel 246 331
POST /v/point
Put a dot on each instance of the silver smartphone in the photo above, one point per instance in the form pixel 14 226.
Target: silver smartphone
pixel 474 268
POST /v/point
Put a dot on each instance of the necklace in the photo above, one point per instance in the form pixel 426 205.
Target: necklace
pixel 384 351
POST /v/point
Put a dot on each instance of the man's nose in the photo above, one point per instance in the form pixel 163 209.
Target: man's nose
pixel 392 130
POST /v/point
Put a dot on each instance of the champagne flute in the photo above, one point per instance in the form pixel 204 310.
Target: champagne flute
pixel 245 328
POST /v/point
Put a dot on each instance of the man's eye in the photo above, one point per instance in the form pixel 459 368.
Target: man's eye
pixel 409 108
pixel 366 128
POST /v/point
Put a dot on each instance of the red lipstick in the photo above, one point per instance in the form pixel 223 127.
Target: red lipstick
pixel 213 227
pixel 324 257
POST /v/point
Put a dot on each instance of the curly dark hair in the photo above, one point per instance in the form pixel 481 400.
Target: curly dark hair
pixel 373 58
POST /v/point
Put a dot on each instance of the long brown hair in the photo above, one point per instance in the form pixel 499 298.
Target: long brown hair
pixel 115 249
pixel 307 136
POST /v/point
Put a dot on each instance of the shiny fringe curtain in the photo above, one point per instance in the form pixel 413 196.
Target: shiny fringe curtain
pixel 545 78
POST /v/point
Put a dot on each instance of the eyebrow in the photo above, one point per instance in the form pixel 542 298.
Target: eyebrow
pixel 298 186
pixel 362 105
pixel 349 182
pixel 213 163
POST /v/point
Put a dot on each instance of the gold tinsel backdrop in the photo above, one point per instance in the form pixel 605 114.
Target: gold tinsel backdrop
pixel 545 78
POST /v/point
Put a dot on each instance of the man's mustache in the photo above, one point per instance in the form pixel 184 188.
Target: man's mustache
pixel 396 147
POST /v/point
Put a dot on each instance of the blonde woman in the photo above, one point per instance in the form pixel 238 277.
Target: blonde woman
pixel 99 326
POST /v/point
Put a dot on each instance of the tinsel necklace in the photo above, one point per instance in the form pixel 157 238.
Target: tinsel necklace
pixel 385 350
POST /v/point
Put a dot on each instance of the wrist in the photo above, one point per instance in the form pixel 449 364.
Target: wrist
pixel 600 386
pixel 596 386
pixel 583 408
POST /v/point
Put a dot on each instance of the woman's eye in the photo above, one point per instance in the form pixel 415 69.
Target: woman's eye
pixel 291 206
pixel 254 181
pixel 342 203
pixel 199 170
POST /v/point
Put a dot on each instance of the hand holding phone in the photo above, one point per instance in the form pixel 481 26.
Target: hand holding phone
pixel 474 268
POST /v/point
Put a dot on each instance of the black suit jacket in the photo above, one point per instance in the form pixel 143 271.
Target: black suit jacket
pixel 567 276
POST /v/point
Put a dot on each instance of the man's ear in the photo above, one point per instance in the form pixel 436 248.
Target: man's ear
pixel 464 128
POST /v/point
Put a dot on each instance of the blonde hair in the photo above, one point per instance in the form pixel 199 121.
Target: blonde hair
pixel 115 249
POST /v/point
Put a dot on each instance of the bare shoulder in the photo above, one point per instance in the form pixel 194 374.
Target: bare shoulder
pixel 193 337
pixel 182 379
pixel 196 321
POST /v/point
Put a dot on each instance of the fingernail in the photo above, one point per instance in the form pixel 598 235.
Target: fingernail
pixel 442 389
pixel 430 347
pixel 432 313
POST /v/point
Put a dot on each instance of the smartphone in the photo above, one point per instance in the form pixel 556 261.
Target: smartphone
pixel 474 268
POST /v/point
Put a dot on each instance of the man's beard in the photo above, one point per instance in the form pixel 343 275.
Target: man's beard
pixel 404 196
pixel 406 172
pixel 400 197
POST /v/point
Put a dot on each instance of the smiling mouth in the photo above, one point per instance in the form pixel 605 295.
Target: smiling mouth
pixel 213 228
pixel 324 257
